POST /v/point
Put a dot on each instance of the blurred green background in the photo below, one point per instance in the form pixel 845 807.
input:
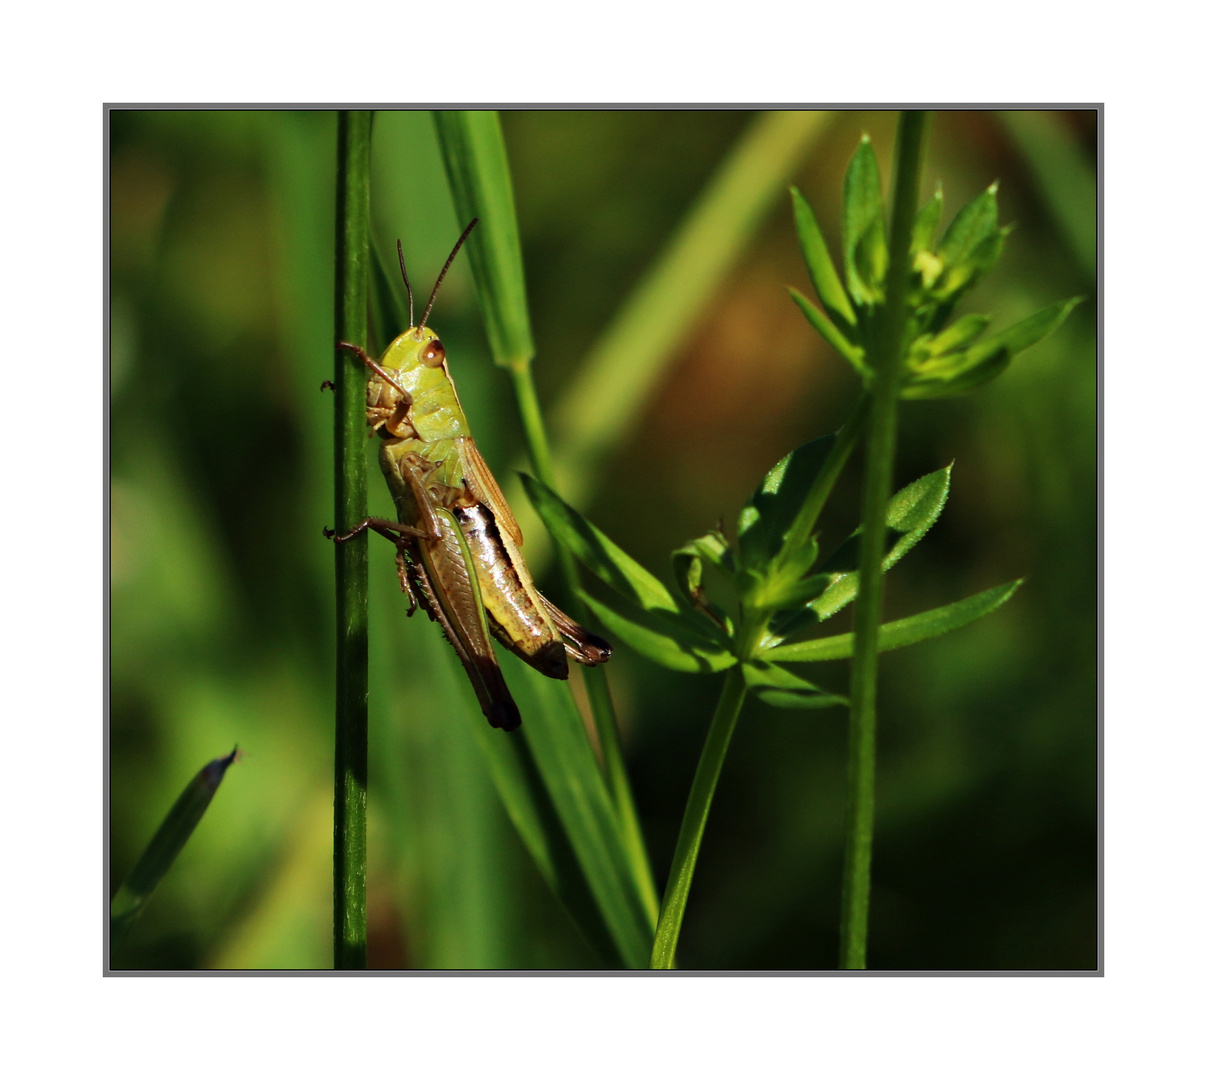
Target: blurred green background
pixel 221 271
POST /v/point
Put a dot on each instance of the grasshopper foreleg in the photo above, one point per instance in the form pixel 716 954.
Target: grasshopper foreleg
pixel 374 367
pixel 394 531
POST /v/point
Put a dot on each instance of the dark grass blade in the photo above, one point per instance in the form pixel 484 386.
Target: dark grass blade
pixel 165 845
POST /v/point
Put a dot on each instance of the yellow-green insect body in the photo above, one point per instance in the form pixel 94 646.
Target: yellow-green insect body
pixel 458 542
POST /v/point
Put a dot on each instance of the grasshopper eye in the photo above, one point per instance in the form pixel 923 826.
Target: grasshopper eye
pixel 433 353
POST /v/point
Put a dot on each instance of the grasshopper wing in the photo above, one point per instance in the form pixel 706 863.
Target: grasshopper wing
pixel 581 644
pixel 483 485
pixel 448 588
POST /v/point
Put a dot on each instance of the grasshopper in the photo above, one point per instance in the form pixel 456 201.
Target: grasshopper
pixel 457 541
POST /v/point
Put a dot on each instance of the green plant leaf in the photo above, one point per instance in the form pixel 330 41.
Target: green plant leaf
pixel 989 356
pixel 864 248
pixel 958 279
pixel 783 584
pixel 782 688
pixel 677 651
pixel 972 226
pixel 871 262
pixel 599 554
pixel 475 159
pixel 926 224
pixel 1027 332
pixel 821 269
pixel 911 513
pixel 688 560
pixel 960 333
pixel 168 841
pixel 852 353
pixel 770 511
pixel 547 776
pixel 687 563
pixel 896 635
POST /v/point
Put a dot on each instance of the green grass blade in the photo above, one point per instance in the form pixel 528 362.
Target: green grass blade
pixel 907 631
pixel 821 268
pixel 584 850
pixel 475 160
pixel 577 789
pixel 1065 177
pixel 553 792
pixel 165 845
pixel 626 363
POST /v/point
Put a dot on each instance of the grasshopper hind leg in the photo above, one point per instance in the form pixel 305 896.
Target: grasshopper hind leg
pixel 483 669
pixel 581 645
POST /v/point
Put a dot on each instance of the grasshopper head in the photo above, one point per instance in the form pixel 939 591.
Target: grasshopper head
pixel 427 347
pixel 411 352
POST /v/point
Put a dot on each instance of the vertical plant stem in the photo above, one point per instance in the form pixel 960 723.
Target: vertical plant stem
pixel 695 817
pixel 351 558
pixel 595 679
pixel 882 438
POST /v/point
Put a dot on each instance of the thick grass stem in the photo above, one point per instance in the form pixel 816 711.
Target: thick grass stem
pixel 351 558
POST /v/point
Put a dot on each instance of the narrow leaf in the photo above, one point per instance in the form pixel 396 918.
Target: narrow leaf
pixel 963 331
pixel 777 686
pixel 387 314
pixel 575 787
pixel 989 356
pixel 863 223
pixel 908 631
pixel 817 260
pixel 870 262
pixel 911 513
pixel 475 160
pixel 770 511
pixel 672 650
pixel 1027 332
pixel 973 224
pixel 782 585
pixel 168 841
pixel 926 223
pixel 958 278
pixel 798 699
pixel 599 554
pixel 850 352
pixel 550 785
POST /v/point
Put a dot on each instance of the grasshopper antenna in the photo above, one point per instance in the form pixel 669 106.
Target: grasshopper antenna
pixel 456 248
pixel 410 299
